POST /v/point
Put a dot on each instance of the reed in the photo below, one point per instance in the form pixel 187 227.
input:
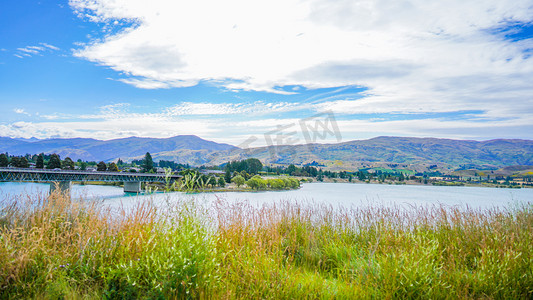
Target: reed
pixel 57 248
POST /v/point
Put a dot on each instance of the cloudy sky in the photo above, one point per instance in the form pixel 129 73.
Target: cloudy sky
pixel 236 70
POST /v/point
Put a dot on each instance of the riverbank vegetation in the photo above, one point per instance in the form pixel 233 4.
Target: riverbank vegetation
pixel 54 248
pixel 389 173
pixel 194 181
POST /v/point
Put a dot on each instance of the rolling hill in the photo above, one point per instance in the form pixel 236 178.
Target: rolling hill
pixel 191 149
pixel 90 149
pixel 408 151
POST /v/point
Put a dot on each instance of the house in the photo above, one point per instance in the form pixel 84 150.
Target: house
pixel 212 172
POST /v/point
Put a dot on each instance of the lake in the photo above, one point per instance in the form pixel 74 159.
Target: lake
pixel 334 194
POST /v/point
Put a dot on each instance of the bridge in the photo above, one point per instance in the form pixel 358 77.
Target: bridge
pixel 62 178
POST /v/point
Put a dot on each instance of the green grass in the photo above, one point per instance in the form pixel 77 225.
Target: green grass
pixel 54 249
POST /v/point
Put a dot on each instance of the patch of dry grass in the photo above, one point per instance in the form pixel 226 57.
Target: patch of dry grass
pixel 54 248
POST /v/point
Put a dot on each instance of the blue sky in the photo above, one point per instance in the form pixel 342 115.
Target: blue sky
pixel 233 71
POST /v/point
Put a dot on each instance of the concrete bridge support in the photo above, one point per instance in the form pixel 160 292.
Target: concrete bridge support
pixel 62 186
pixel 132 186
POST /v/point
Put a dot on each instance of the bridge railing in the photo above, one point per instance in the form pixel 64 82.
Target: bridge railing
pixel 46 175
pixel 62 171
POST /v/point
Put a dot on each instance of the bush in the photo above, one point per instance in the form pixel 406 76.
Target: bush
pixel 276 184
pixel 257 183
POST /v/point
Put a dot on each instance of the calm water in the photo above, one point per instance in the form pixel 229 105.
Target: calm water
pixel 335 194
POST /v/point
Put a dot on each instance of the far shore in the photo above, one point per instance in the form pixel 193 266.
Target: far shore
pixel 305 180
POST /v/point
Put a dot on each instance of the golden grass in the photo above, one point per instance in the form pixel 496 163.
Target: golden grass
pixel 55 248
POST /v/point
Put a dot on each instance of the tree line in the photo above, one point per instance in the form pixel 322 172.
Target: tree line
pixel 54 161
pixel 245 169
pixel 51 162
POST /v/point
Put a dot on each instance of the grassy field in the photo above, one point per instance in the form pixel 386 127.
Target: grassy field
pixel 54 249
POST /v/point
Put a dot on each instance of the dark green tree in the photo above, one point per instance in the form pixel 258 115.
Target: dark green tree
pixel 40 161
pixel 212 181
pixel 148 163
pixel 254 165
pixel 222 182
pixel 83 166
pixel 112 167
pixel 4 161
pixel 291 169
pixel 15 161
pixel 54 162
pixel 67 164
pixel 101 166
pixel 227 176
pixel 23 162
pixel 401 177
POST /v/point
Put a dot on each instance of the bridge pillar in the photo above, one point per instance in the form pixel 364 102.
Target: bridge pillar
pixel 132 186
pixel 62 186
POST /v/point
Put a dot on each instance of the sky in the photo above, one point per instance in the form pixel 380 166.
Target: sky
pixel 253 73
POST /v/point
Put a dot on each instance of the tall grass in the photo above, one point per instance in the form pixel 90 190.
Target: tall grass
pixel 55 248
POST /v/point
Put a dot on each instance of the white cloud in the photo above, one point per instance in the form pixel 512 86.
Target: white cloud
pixel 413 56
pixel 205 108
pixel 49 46
pixel 21 111
pixel 29 51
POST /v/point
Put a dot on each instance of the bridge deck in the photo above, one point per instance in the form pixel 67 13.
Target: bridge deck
pixel 44 175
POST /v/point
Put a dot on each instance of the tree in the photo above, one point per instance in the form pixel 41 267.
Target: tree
pixel 221 182
pixel 250 165
pixel 238 180
pixel 276 184
pixel 54 162
pixel 245 175
pixel 401 177
pixel 256 182
pixel 40 162
pixel 4 161
pixel 23 163
pixel 101 166
pixel 254 165
pixel 291 169
pixel 67 164
pixel 14 162
pixel 83 166
pixel 212 181
pixel 112 167
pixel 148 163
pixel 227 176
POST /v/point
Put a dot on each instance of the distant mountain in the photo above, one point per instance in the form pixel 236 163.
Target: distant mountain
pixel 406 151
pixel 91 149
pixel 416 153
pixel 27 140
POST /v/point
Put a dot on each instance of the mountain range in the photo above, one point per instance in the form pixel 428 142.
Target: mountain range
pixel 98 150
pixel 403 151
